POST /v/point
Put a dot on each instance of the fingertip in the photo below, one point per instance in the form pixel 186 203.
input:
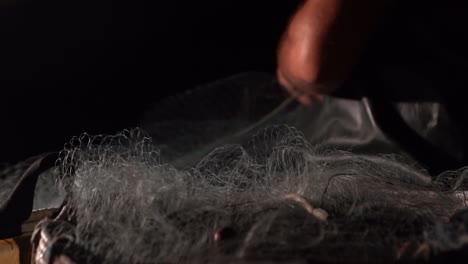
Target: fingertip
pixel 319 97
pixel 305 100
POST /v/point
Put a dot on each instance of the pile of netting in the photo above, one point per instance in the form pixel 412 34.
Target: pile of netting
pixel 276 198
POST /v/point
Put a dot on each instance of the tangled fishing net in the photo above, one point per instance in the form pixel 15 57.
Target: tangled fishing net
pixel 276 198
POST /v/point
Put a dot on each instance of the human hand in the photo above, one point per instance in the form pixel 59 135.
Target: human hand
pixel 322 43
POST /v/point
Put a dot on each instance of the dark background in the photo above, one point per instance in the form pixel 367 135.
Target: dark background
pixel 68 67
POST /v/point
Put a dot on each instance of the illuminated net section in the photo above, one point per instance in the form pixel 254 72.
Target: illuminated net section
pixel 275 198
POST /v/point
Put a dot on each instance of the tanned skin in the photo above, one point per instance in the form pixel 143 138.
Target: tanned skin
pixel 323 42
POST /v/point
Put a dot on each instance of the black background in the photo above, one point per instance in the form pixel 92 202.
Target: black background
pixel 68 67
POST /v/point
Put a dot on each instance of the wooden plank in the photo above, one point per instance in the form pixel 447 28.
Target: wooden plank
pixel 9 252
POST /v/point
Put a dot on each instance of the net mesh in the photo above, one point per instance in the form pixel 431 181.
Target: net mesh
pixel 276 197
